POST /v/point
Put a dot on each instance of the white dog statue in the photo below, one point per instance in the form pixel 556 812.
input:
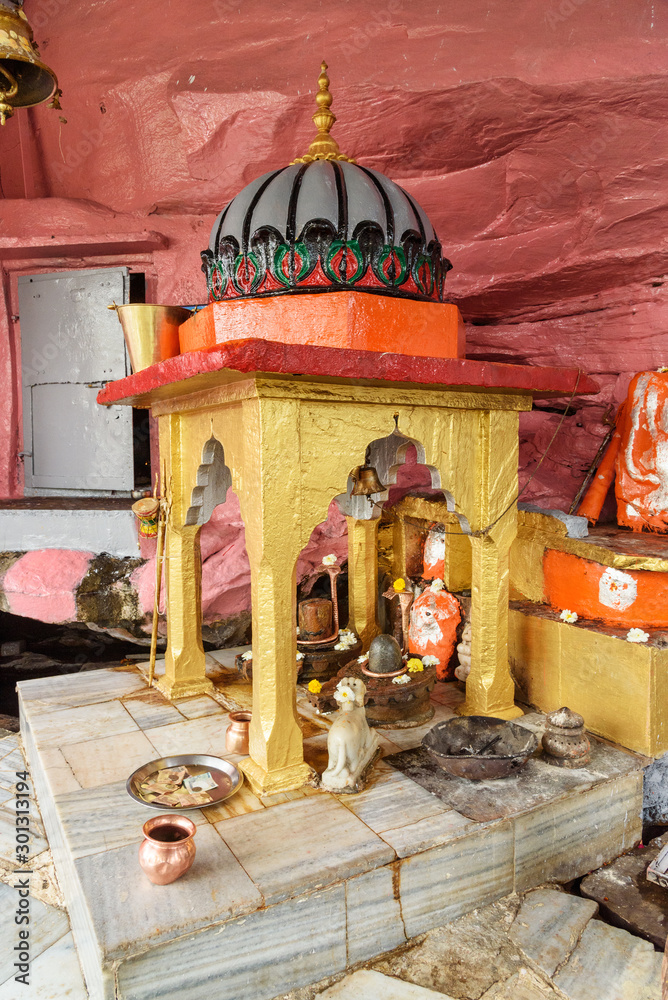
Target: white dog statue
pixel 351 744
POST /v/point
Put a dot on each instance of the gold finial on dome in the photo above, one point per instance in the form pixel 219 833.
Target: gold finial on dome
pixel 323 147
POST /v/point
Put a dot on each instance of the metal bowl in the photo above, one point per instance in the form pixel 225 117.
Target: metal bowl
pixel 227 777
pixel 449 743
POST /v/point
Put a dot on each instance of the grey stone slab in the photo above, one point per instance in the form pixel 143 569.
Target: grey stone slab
pixel 524 985
pixel 131 915
pixel 577 833
pixel 446 882
pixel 609 964
pixel 374 922
pixel 392 801
pixel 101 819
pixel 47 925
pixel 548 926
pixel 253 958
pixel 301 845
pixel 74 690
pixel 432 831
pixel 627 898
pixel 369 985
pixel 55 974
pixel 483 801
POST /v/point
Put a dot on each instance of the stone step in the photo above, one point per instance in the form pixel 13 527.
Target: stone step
pixel 611 964
pixel 548 926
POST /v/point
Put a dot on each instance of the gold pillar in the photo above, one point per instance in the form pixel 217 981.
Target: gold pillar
pixel 363 578
pixel 184 657
pixel 185 663
pixel 489 687
pixel 270 498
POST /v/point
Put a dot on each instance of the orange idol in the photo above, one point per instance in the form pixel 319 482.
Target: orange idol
pixel 435 615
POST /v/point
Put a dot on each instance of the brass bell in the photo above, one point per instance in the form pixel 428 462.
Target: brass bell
pixel 366 481
pixel 24 79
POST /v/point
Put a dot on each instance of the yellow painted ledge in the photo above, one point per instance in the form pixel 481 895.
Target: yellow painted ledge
pixel 620 688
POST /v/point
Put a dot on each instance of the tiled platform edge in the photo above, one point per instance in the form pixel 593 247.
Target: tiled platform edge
pixel 282 897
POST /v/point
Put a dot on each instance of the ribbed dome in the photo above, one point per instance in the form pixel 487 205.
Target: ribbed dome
pixel 324 225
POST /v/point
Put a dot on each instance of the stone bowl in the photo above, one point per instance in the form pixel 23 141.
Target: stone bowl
pixel 447 742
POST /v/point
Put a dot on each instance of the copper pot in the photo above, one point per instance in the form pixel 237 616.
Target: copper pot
pixel 236 734
pixel 168 850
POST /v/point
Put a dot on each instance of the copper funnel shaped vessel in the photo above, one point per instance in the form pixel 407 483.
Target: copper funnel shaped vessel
pixel 151 332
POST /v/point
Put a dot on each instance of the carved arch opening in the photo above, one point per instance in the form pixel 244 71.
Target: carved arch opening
pixel 388 455
pixel 214 479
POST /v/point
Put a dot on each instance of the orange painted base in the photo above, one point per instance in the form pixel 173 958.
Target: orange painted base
pixel 633 598
pixel 356 320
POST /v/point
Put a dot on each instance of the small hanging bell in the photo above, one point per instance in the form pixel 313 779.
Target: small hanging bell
pixel 367 482
pixel 24 79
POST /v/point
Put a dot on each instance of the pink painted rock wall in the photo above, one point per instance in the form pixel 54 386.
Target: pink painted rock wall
pixel 42 584
pixel 534 140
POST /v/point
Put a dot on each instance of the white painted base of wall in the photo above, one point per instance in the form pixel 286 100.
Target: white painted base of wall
pixel 112 531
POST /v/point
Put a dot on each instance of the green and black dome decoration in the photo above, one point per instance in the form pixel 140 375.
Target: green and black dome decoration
pixel 322 224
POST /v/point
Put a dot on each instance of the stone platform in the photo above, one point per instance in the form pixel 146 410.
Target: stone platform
pixel 291 888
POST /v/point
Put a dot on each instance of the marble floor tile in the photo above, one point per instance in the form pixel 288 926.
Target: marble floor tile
pixel 374 923
pixel 442 884
pixel 100 819
pixel 226 657
pixel 233 693
pixel 37 843
pixel 149 710
pixel 448 693
pixel 432 831
pixel 369 985
pixel 536 783
pixel 548 926
pixel 197 708
pixel 407 738
pixel 14 761
pixel 242 802
pixel 54 975
pixel 253 958
pixel 131 915
pixel 577 833
pixel 75 725
pixel 47 925
pixel 204 736
pixel 284 851
pixel 74 690
pixel 57 771
pixel 392 802
pixel 8 743
pixel 608 964
pixel 112 758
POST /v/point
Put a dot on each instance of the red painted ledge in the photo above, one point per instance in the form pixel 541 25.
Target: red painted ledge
pixel 259 357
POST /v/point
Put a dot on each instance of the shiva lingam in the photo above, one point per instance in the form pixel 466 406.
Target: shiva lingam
pixel 321 644
pixel 352 747
pixel 398 688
